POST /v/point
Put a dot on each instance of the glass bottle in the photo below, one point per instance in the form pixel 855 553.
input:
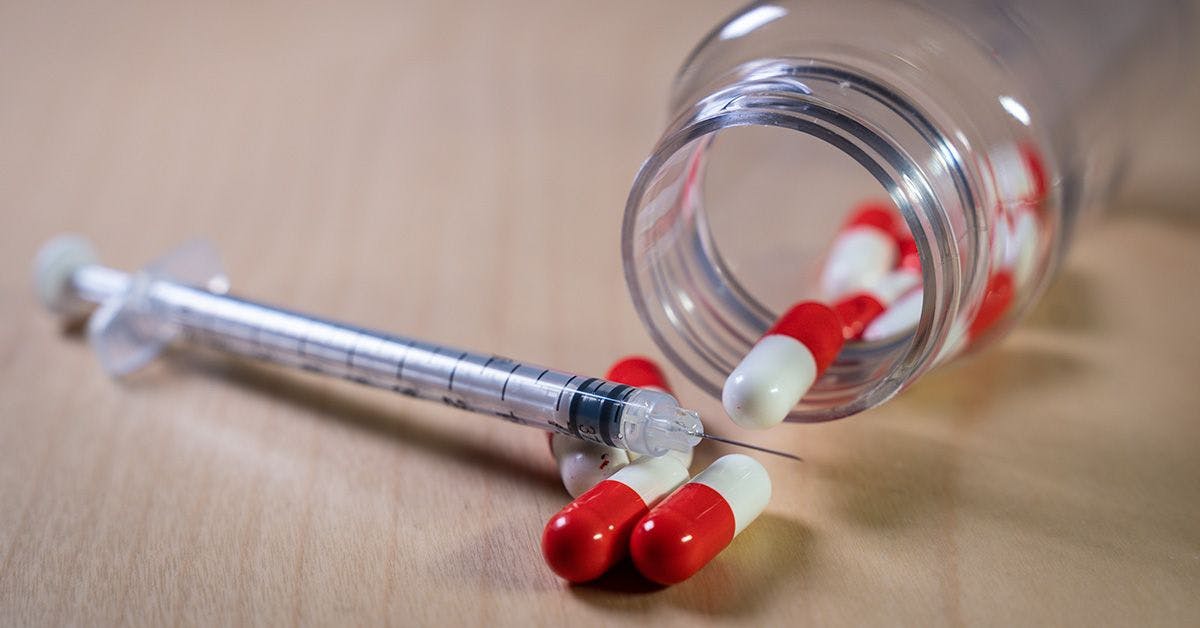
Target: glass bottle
pixel 993 128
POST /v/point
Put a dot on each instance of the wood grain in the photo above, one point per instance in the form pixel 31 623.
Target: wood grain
pixel 457 173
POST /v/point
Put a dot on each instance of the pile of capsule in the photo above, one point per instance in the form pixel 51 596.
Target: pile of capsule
pixel 871 284
pixel 670 526
pixel 647 508
pixel 871 289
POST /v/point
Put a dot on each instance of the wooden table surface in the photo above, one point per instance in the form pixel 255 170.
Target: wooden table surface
pixel 458 173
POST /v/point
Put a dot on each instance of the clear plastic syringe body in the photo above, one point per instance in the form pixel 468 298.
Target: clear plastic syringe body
pixel 594 409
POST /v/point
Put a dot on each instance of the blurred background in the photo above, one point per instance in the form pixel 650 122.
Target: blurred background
pixel 458 173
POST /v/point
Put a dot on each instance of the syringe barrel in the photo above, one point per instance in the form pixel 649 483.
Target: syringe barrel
pixel 594 409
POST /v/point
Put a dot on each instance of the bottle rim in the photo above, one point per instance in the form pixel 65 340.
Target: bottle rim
pixel 671 263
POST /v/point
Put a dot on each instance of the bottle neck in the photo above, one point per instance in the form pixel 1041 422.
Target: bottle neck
pixel 706 307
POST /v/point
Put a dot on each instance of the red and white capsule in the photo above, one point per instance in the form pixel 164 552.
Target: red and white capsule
pixel 643 372
pixel 688 529
pixel 1013 268
pixel 588 536
pixel 902 298
pixel 1001 285
pixel 1021 251
pixel 583 464
pixel 1019 174
pixel 859 310
pixel 782 366
pixel 998 296
pixel 639 371
pixel 862 253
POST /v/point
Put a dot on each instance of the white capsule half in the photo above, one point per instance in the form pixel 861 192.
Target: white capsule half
pixel 900 318
pixel 1022 247
pixel 744 484
pixel 1001 236
pixel 583 464
pixel 769 382
pixel 860 256
pixel 652 478
pixel 1015 181
pixel 895 284
pixel 956 341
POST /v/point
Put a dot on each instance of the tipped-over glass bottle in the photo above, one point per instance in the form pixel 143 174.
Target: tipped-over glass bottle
pixel 992 127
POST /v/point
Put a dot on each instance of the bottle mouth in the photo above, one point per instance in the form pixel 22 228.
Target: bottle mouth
pixel 714 251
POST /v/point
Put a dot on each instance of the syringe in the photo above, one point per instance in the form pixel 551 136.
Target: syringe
pixel 184 295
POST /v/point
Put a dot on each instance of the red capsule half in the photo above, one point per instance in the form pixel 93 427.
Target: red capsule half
pixel 997 297
pixel 638 371
pixel 1039 183
pixel 856 312
pixel 877 214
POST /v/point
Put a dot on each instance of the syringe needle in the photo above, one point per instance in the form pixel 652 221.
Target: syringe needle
pixel 765 450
